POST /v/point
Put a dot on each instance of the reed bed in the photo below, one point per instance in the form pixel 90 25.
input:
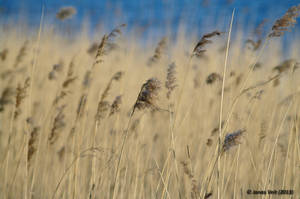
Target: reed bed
pixel 111 118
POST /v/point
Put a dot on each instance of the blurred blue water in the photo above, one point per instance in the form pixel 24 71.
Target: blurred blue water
pixel 155 15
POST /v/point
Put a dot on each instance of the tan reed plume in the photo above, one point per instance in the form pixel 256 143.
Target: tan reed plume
pixel 103 105
pixel 211 78
pixel 232 139
pixel 286 65
pixel 170 83
pixel 70 78
pixel 3 54
pixel 55 69
pixel 108 43
pixel 199 48
pixel 66 13
pixel 6 97
pixel 284 23
pixel 115 107
pixel 159 50
pixel 32 144
pixel 58 124
pixel 21 54
pixel 20 96
pixel 148 95
pixel 256 44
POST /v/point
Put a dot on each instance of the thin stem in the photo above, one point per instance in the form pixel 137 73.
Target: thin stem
pixel 222 101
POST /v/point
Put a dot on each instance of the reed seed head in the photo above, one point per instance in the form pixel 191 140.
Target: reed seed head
pixel 232 139
pixel 171 79
pixel 148 94
pixel 115 107
pixel 287 21
pixel 199 48
pixel 66 13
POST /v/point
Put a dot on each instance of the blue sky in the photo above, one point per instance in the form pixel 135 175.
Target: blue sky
pixel 156 14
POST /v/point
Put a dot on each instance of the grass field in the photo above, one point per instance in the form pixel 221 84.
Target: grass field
pixel 208 117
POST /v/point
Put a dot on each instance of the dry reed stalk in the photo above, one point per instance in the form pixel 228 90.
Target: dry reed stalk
pixel 146 99
pixel 65 13
pixel 278 130
pixel 171 84
pixel 106 45
pixel 221 104
pixel 29 104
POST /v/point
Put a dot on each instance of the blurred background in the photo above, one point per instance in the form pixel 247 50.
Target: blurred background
pixel 150 17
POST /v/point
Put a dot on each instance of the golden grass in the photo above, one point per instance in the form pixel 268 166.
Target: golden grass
pixel 100 123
